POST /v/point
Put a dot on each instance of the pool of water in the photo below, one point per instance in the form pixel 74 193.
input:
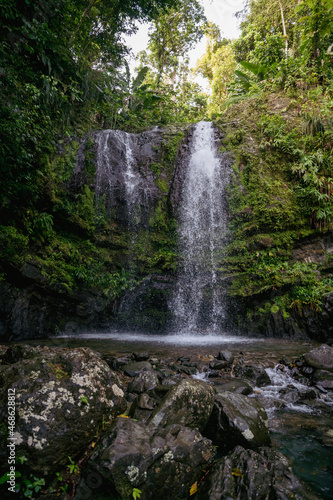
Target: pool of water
pixel 118 343
pixel 307 440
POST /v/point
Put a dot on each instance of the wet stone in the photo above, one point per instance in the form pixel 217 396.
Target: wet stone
pixel 218 365
pixel 144 381
pixel 307 370
pixel 321 358
pixel 138 366
pixel 189 403
pixel 323 378
pixel 140 356
pixel 189 370
pixel 238 386
pixel 226 356
pixel 255 374
pixel 145 402
pixel 258 475
pixel 117 363
pixel 237 420
pixel 160 462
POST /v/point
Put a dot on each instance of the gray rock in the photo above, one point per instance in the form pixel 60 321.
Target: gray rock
pixel 237 386
pixel 160 462
pixel 141 356
pixel 145 381
pixel 145 402
pixel 189 403
pixel 189 370
pixel 237 420
pixel 62 396
pixel 323 378
pixel 137 366
pixel 215 364
pixel 321 358
pixel 246 474
pixel 226 356
pixel 255 374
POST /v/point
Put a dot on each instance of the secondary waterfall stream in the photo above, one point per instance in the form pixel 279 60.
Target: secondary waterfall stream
pixel 107 169
pixel 199 301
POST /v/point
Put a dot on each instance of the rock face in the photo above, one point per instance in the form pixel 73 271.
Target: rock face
pixel 31 307
pixel 237 419
pixel 246 474
pixel 189 403
pixel 131 174
pixel 160 462
pixel 62 396
pixel 123 173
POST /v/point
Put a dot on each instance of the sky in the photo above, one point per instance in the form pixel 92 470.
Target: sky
pixel 221 12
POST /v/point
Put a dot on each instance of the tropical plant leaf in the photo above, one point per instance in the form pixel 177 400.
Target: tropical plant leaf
pixel 138 80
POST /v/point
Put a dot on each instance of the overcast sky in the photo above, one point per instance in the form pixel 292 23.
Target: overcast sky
pixel 221 12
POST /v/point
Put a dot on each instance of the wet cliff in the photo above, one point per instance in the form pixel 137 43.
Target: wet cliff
pixel 109 255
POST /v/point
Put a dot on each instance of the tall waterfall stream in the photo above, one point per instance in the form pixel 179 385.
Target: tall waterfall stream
pixel 198 302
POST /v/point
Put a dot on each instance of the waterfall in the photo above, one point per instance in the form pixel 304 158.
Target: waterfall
pixel 199 300
pixel 116 162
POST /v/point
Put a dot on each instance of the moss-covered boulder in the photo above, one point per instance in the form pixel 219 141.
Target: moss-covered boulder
pixel 61 399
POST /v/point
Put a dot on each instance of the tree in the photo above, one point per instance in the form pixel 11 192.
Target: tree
pixel 217 65
pixel 173 34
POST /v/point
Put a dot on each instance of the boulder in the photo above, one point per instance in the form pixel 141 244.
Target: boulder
pixel 321 358
pixel 255 374
pixel 216 364
pixel 226 356
pixel 237 420
pixel 160 462
pixel 323 378
pixel 189 403
pixel 247 474
pixel 144 381
pixel 61 398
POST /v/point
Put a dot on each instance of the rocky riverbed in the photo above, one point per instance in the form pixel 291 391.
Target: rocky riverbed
pixel 138 425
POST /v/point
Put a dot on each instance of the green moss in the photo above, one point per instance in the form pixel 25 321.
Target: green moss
pixel 13 245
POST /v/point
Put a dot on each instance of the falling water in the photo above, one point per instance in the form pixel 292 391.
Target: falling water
pixel 199 301
pixel 108 169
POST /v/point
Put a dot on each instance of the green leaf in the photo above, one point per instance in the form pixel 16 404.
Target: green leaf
pixel 6 477
pixel 140 78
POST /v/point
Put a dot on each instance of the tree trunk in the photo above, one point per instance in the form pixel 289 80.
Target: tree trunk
pixel 284 30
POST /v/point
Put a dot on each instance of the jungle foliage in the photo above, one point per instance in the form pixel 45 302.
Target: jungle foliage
pixel 63 73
